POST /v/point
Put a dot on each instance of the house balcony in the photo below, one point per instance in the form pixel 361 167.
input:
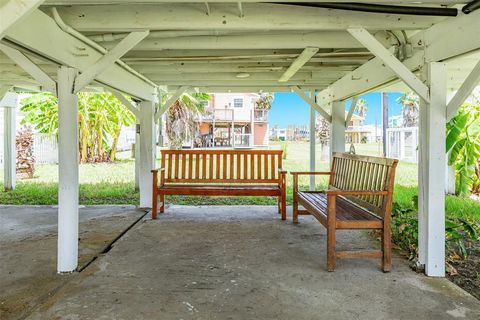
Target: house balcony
pixel 218 115
pixel 260 115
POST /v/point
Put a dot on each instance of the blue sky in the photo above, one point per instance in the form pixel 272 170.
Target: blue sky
pixel 288 108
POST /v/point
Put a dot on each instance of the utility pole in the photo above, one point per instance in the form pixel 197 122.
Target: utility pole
pixel 384 121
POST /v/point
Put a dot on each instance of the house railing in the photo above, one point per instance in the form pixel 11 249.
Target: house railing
pixel 243 140
pixel 218 115
pixel 260 115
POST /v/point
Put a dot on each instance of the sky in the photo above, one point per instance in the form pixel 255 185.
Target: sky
pixel 289 109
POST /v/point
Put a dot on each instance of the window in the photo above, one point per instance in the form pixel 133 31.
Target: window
pixel 238 102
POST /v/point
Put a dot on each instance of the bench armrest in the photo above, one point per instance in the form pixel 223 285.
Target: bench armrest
pixel 356 193
pixel 155 176
pixel 310 173
pixel 282 181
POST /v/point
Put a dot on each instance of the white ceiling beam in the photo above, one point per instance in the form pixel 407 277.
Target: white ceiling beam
pixel 465 90
pixel 296 65
pixel 41 35
pixel 272 41
pixel 93 71
pixel 351 111
pixel 443 41
pixel 170 101
pixel 103 2
pixel 127 103
pixel 403 72
pixel 312 103
pixel 13 12
pixel 31 68
pixel 261 16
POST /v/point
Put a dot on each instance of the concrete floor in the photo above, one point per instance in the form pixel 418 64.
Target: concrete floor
pixel 245 263
pixel 28 247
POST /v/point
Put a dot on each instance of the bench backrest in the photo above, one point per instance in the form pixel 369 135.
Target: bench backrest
pixel 358 172
pixel 221 166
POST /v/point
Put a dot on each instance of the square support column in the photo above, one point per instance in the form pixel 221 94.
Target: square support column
pixel 431 172
pixel 312 147
pixel 337 128
pixel 137 154
pixel 68 158
pixel 146 152
pixel 9 104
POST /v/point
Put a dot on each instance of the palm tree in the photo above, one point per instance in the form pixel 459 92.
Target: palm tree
pixel 361 108
pixel 181 121
pixel 410 109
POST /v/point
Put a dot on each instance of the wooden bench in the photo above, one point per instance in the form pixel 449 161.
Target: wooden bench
pixel 359 196
pixel 220 173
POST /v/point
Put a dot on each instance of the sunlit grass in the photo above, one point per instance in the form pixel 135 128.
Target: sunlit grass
pixel 113 183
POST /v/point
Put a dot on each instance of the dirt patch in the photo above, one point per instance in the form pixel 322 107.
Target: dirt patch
pixel 467 274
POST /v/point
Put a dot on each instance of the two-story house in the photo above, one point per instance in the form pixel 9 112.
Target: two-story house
pixel 232 120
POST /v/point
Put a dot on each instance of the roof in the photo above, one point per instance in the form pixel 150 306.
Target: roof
pixel 226 46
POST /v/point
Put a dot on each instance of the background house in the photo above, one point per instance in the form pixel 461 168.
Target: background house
pixel 232 120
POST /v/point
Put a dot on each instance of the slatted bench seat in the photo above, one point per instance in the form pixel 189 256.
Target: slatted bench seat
pixel 359 196
pixel 219 173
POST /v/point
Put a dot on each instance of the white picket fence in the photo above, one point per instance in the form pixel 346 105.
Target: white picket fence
pixel 402 144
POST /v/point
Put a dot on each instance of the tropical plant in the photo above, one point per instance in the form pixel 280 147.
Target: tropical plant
pixel 361 108
pixel 410 109
pixel 322 130
pixel 100 119
pixel 463 147
pixel 181 123
pixel 264 101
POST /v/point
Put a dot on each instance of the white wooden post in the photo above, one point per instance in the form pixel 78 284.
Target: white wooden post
pixel 9 103
pixel 67 171
pixel 137 153
pixel 337 128
pixel 146 152
pixel 431 175
pixel 312 147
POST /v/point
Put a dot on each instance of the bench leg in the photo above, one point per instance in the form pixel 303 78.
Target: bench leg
pixel 331 248
pixel 387 250
pixel 154 204
pixel 279 204
pixel 162 205
pixel 295 208
pixel 284 205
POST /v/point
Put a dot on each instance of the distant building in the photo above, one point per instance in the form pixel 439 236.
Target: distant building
pixel 395 121
pixel 232 120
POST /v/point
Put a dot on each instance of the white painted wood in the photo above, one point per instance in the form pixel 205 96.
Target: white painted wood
pixel 108 60
pixel 128 104
pixel 68 158
pixel 442 41
pixel 449 178
pixel 312 103
pixel 9 103
pixel 337 128
pixel 432 158
pixel 13 12
pixel 296 65
pixel 137 154
pixel 170 101
pixel 147 152
pixel 100 2
pixel 224 16
pixel 278 40
pixel 31 68
pixel 312 145
pixel 351 110
pixel 403 72
pixel 37 33
pixel 465 90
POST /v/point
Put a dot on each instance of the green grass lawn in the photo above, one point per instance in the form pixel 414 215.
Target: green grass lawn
pixel 113 183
